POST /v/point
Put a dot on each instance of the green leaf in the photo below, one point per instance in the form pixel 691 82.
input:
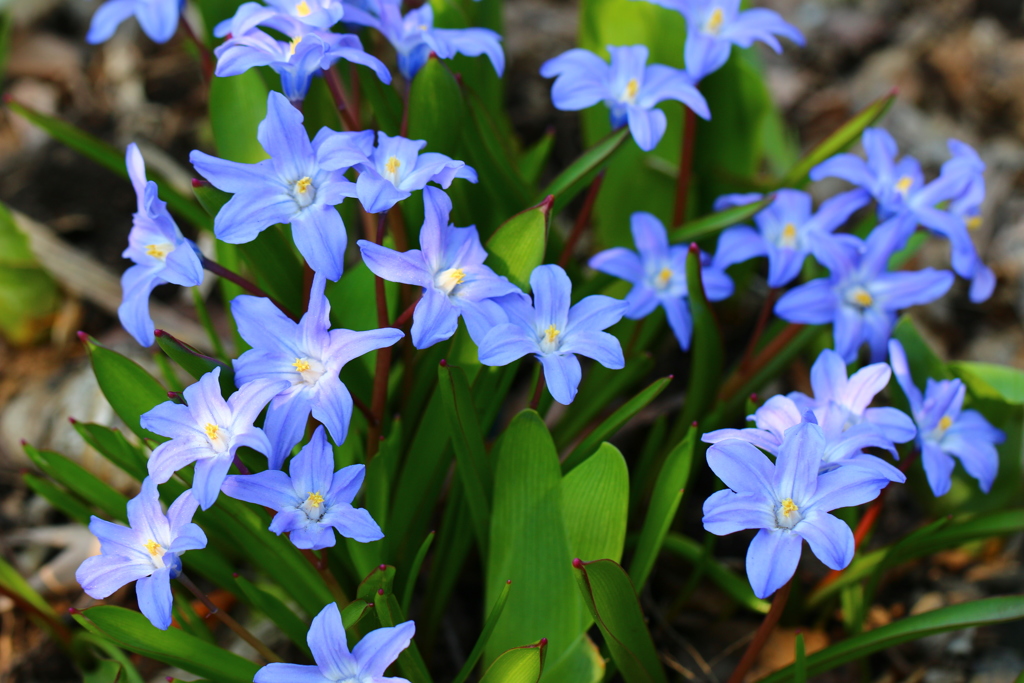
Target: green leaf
pixel 800 661
pixel 708 358
pixel 29 296
pixel 595 505
pixel 518 665
pixel 533 160
pixel 436 107
pixel 517 246
pixel 106 671
pixel 485 635
pixel 614 422
pixel 838 142
pixel 735 586
pixel 114 447
pixel 210 198
pixel 59 498
pixel 237 106
pixel 468 442
pixel 133 632
pixel 128 673
pixel 988 380
pixel 130 390
pixel 194 362
pixel 277 611
pixel 488 146
pixel 668 493
pixel 711 224
pixel 13 584
pixel 580 173
pixel 611 598
pixel 414 571
pixel 952 618
pixel 79 480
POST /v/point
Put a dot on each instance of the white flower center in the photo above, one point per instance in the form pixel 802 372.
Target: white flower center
pixel 788 236
pixel 391 168
pixel 219 437
pixel 304 192
pixel 860 297
pixel 629 93
pixel 448 280
pixel 549 342
pixel 787 514
pixel 309 369
pixel 663 280
pixel 314 506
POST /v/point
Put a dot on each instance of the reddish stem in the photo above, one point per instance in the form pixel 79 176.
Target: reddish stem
pixel 685 166
pixel 248 286
pixel 403 320
pixel 538 390
pixel 762 321
pixel 761 637
pixel 337 89
pixel 378 402
pixel 205 56
pixel 582 219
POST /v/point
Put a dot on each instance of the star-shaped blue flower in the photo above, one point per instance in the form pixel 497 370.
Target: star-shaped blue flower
pixel 146 552
pixel 628 86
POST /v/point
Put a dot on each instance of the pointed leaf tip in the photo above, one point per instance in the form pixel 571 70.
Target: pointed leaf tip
pixel 694 424
pixel 199 182
pixel 543 642
pixel 444 363
pixel 380 591
pixel 83 337
pixel 548 202
pixel 694 249
pixel 577 563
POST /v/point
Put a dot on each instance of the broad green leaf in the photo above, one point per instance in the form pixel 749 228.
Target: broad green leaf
pixel 385 103
pixel 79 480
pixel 517 246
pixel 595 505
pixel 468 442
pixel 953 618
pixel 209 197
pixel 105 671
pixel 991 381
pixel 578 175
pixel 488 150
pixel 128 672
pixel 839 141
pixel 114 447
pixel 436 107
pixel 130 390
pixel 533 159
pixel 195 362
pixel 237 106
pixel 485 635
pixel 716 222
pixel 665 499
pixel 279 613
pixel 59 498
pixel 735 586
pixel 518 665
pixel 133 632
pixel 13 584
pixel 611 598
pixel 29 296
pixel 614 422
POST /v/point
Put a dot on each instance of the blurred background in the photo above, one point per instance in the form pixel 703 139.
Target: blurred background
pixel 958 66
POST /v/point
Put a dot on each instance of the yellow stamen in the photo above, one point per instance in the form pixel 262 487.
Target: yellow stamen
pixel 903 184
pixel 159 251
pixel 789 233
pixel 303 9
pixel 315 500
pixel 973 223
pixel 714 22
pixel 302 187
pixel 789 507
pixel 456 275
pixel 862 298
pixel 301 364
pixel 551 334
pixel 392 165
pixel 945 423
pixel 632 88
pixel 154 548
pixel 212 431
pixel 664 277
pixel 294 45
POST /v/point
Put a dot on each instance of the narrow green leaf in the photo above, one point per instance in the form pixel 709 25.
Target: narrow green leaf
pixel 410 661
pixel 414 571
pixel 707 359
pixel 29 296
pixel 286 620
pixel 735 586
pixel 130 390
pixel 436 107
pixel 518 665
pixel 595 505
pixel 79 480
pixel 106 671
pixel 953 618
pixel 611 599
pixel 517 246
pixel 114 447
pixel 839 141
pixel 12 583
pixel 614 422
pixel 578 175
pixel 468 442
pixel 194 362
pixel 715 222
pixel 485 635
pixel 133 632
pixel 59 498
pixel 354 613
pixel 800 661
pixel 487 142
pixel 209 197
pixel 668 493
pixel 533 160
pixel 237 106
pixel 989 380
pixel 129 674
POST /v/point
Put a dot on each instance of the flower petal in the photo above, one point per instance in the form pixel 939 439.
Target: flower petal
pixel 155 598
pixel 378 649
pixel 771 560
pixel 563 375
pixel 830 538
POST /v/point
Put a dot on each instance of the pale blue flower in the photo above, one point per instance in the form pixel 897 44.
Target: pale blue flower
pixel 158 19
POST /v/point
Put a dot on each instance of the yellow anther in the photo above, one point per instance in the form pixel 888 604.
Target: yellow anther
pixel 551 334
pixel 315 500
pixel 789 507
pixel 294 45
pixel 303 9
pixel 789 233
pixel 392 165
pixel 154 548
pixel 973 223
pixel 303 185
pixel 862 298
pixel 632 88
pixel 903 184
pixel 664 277
pixel 301 364
pixel 945 423
pixel 456 275
pixel 212 431
pixel 714 22
pixel 159 251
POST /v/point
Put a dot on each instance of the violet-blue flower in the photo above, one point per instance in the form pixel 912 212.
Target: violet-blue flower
pixel 945 431
pixel 860 297
pixel 158 19
pixel 208 431
pixel 312 500
pixel 146 552
pixel 328 642
pixel 714 26
pixel 391 171
pixel 555 332
pixel 628 86
pixel 788 501
pixel 657 271
pixel 450 269
pixel 788 227
pixel 160 252
pixel 307 356
pixel 293 186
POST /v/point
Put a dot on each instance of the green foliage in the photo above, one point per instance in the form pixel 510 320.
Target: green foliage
pixel 28 295
pixel 131 390
pixel 517 246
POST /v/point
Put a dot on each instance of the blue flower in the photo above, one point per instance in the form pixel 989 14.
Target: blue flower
pixel 899 189
pixel 307 51
pixel 157 18
pixel 208 431
pixel 861 297
pixel 391 171
pixel 293 186
pixel 788 227
pixel 414 37
pixel 788 501
pixel 657 271
pixel 334 663
pixel 554 332
pixel 146 552
pixel 714 26
pixel 321 14
pixel 945 430
pixel 450 269
pixel 160 253
pixel 628 87
pixel 307 356
pixel 313 500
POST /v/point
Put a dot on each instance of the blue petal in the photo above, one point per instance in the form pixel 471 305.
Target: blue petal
pixel 551 296
pixel 285 425
pixel 796 468
pixel 347 345
pixel 677 310
pixel 563 375
pixel 900 367
pixel 209 477
pixel 726 512
pixel 155 598
pixel 979 457
pixel 159 18
pixel 830 538
pixel 395 266
pixel 760 24
pixel 346 483
pixel 813 303
pixel 647 126
pixel 704 54
pixel 101 575
pixel 771 560
pixel 505 344
pixel 329 644
pixel 320 237
pixel 899 290
pixel 248 214
pixel 263 326
pixel 471 42
pixel 738 245
pixel 619 262
pixel 380 648
pixel 272 489
pixel 247 403
pixel 376 194
pixel 892 422
pixel 938 468
pixel 848 485
pixel 595 312
pixel 650 237
pixel 332 405
pixel 742 468
pixel 665 83
pixel 290 673
pixel 848 332
pixel 168 458
pixel 107 18
pixel 434 320
pixel 354 523
pixel 284 138
pixel 137 284
pixel 232 176
pixel 145 514
pixel 601 346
